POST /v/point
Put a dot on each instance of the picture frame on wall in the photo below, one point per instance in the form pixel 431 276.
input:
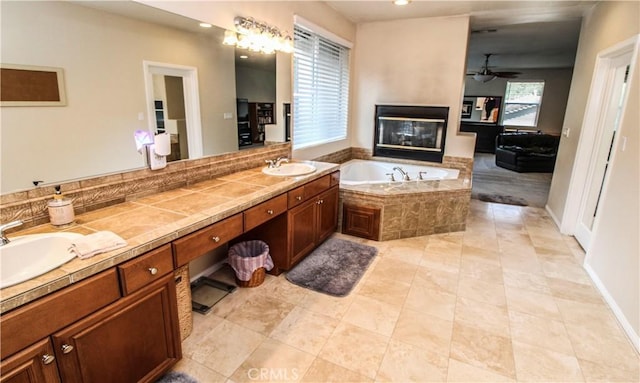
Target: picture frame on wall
pixel 467 109
pixel 28 85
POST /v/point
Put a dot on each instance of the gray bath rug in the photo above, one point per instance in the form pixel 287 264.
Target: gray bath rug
pixel 505 199
pixel 176 377
pixel 334 267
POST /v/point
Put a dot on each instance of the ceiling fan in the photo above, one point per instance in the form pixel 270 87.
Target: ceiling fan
pixel 486 74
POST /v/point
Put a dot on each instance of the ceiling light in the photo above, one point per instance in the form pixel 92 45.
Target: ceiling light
pixel 244 57
pixel 401 2
pixel 257 37
pixel 205 25
pixel 483 77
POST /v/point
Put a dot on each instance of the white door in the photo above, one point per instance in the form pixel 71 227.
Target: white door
pixel 615 96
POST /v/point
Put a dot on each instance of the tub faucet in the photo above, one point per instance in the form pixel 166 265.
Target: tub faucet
pixel 405 176
pixel 3 239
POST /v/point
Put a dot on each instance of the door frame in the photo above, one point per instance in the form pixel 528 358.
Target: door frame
pixel 191 100
pixel 592 130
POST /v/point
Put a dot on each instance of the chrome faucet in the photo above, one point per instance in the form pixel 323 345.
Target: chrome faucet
pixel 405 176
pixel 276 163
pixel 3 239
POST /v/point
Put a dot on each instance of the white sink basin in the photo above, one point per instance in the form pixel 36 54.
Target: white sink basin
pixel 290 170
pixel 28 256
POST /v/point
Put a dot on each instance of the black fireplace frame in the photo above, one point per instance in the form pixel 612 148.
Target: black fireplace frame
pixel 435 112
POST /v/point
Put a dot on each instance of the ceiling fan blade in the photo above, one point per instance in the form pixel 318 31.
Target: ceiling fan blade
pixel 507 74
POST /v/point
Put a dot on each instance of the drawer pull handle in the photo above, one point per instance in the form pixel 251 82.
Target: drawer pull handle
pixel 48 359
pixel 215 239
pixel 153 270
pixel 66 348
pixel 320 202
pixel 270 212
pixel 299 198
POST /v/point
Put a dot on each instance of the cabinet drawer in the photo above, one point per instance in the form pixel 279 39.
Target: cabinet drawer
pixel 196 244
pixel 308 190
pixel 35 321
pixel 263 212
pixel 145 269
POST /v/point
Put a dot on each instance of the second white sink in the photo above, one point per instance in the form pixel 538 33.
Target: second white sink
pixel 28 256
pixel 290 170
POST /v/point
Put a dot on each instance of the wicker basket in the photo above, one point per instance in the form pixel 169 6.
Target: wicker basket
pixel 256 278
pixel 183 293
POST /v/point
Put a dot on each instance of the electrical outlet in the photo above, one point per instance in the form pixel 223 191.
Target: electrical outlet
pixel 227 115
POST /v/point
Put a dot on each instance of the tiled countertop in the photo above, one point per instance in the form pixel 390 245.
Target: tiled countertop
pixel 149 222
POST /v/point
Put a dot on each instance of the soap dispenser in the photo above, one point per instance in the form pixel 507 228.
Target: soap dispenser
pixel 60 209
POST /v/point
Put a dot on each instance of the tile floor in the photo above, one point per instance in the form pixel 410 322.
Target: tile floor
pixel 506 300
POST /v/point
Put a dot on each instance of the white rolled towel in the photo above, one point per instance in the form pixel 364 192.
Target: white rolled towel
pixel 96 243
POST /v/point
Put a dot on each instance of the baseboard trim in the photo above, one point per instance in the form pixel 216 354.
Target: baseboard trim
pixel 617 312
pixel 553 216
pixel 208 271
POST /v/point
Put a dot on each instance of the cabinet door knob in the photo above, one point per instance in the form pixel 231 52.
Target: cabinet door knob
pixel 215 239
pixel 299 198
pixel 48 359
pixel 66 348
pixel 153 270
pixel 270 212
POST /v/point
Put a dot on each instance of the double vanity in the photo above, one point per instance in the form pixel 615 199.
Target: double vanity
pixel 114 317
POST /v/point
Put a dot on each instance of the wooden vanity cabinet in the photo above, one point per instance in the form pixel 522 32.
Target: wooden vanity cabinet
pixel 134 340
pixel 310 223
pixel 35 364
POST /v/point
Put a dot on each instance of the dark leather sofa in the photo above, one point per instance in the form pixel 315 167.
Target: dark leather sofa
pixel 527 152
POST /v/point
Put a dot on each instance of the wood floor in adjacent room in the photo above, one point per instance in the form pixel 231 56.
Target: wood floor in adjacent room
pixel 506 300
pixel 532 189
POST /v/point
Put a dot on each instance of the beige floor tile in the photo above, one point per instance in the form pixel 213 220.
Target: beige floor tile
pixel 443 246
pixel 444 262
pixel 356 349
pixel 466 373
pixel 534 364
pixel 393 270
pixel 334 307
pixel 262 314
pixel 371 314
pixel 327 372
pixel 305 330
pixel 540 332
pixel 404 253
pixel 274 362
pixel 485 240
pixel 561 288
pixel 424 299
pixel 385 290
pixel 430 333
pixel 566 270
pixel 593 314
pixel 481 291
pixel 479 254
pixel 494 319
pixel 526 281
pixel 482 349
pixel 407 363
pixel 226 347
pixel 198 371
pixel 529 302
pixel 604 346
pixel 521 260
pixel 595 372
pixel 202 326
pixel 488 272
pixel 436 279
pixel 284 290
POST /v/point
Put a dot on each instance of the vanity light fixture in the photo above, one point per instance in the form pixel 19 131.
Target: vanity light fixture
pixel 401 2
pixel 244 57
pixel 205 25
pixel 257 37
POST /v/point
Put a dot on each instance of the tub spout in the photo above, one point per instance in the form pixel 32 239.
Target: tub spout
pixel 405 176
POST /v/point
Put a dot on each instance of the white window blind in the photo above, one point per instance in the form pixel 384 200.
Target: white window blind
pixel 320 89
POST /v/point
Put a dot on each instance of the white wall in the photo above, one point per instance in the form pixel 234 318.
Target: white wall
pixel 412 62
pixel 102 56
pixel 613 258
pixel 557 83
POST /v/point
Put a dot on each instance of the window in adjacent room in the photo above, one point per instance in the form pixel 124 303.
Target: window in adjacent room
pixel 320 86
pixel 522 103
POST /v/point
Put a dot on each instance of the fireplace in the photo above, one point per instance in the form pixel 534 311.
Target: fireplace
pixel 411 132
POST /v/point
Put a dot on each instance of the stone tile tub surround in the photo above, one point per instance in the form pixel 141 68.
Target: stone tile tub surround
pixel 90 194
pixel 410 209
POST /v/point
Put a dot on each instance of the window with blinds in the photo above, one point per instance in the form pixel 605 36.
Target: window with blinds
pixel 320 89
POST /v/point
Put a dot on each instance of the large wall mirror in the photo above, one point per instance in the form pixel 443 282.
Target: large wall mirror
pixel 101 48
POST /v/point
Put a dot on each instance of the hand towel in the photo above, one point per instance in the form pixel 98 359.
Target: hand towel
pixel 96 243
